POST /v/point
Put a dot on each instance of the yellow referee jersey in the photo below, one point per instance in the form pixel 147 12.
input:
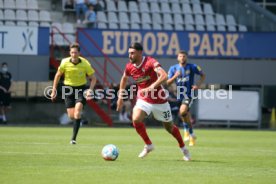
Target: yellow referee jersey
pixel 75 74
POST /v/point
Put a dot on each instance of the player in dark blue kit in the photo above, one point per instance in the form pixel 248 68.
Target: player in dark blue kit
pixel 183 75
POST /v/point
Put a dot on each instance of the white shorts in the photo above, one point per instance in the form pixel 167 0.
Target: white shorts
pixel 161 112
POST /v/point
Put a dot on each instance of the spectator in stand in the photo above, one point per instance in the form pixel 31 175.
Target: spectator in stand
pixel 69 5
pixel 90 17
pixel 80 7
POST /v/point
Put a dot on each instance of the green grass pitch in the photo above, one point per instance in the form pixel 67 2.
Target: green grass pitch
pixel 44 156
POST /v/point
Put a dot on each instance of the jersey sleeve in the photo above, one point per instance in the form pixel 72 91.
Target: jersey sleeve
pixel 127 71
pixel 171 72
pixel 89 69
pixel 197 69
pixel 154 63
pixel 61 66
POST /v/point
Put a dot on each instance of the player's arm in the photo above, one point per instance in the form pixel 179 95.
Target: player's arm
pixel 172 76
pixel 92 78
pixel 162 77
pixel 55 83
pixel 123 84
pixel 200 81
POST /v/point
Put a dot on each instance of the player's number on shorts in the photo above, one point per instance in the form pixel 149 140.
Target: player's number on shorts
pixel 167 114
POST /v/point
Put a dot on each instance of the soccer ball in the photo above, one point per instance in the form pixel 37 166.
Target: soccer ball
pixel 110 152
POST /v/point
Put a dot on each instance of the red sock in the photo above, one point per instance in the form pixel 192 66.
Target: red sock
pixel 141 130
pixel 177 135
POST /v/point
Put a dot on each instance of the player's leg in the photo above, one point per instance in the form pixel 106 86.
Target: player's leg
pixel 183 111
pixel 140 111
pixel 162 112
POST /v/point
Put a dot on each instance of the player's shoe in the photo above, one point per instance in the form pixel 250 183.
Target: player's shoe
pixel 187 156
pixel 146 150
pixel 186 135
pixel 73 142
pixel 192 140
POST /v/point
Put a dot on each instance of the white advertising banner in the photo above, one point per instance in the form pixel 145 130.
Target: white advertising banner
pixel 239 106
pixel 18 40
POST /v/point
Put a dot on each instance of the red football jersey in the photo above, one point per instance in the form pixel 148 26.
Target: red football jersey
pixel 144 75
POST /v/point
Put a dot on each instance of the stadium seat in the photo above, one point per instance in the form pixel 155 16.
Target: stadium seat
pixel 33 24
pixel 44 24
pixel 156 26
pixel 32 4
pixel 176 8
pixel 210 28
pixel 21 15
pixel 221 28
pixel 102 25
pixel 184 1
pixel 112 17
pixel 1 4
pixel 10 23
pixel 167 19
pixel 56 27
pixel 230 20
pixel 113 25
pixel 189 27
pixel 189 19
pixel 134 17
pixel 124 26
pixel 154 7
pixel 195 1
pixel 9 4
pixel 199 20
pixel 165 8
pixel 207 9
pixel 123 17
pixel 69 39
pixel 1 15
pixel 135 26
pixel 58 40
pixel 242 28
pixel 122 7
pixel 232 28
pixel 210 20
pixel 22 23
pixel 110 6
pixel 178 27
pixel 168 27
pixel 146 18
pixel 220 19
pixel 101 17
pixel 68 27
pixel 178 19
pixel 146 26
pixel 1 23
pixel 33 15
pixel 9 14
pixel 156 17
pixel 197 9
pixel 21 4
pixel 132 6
pixel 44 16
pixel 200 27
pixel 186 9
pixel 144 7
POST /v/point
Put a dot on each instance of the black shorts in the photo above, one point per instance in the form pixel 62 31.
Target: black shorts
pixel 77 95
pixel 5 99
pixel 187 102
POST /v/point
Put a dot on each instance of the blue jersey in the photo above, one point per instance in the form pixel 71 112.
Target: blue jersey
pixel 185 80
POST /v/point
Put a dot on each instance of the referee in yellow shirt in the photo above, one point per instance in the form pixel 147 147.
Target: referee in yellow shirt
pixel 76 70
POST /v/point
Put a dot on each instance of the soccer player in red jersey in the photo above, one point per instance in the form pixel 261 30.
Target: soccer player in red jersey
pixel 151 97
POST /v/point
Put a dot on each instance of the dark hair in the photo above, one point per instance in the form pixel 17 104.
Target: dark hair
pixel 136 46
pixel 75 45
pixel 4 64
pixel 183 52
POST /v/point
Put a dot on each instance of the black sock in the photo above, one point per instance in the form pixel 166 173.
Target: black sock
pixel 76 129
